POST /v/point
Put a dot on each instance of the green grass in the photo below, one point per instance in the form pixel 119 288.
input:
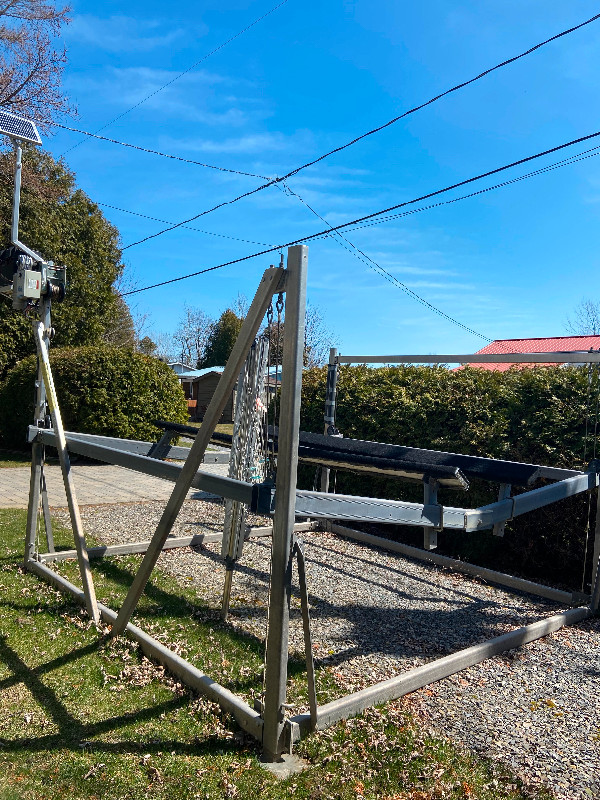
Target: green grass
pixel 21 458
pixel 84 715
pixel 14 458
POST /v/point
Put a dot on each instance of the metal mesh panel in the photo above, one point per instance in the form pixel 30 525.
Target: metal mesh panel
pixel 18 128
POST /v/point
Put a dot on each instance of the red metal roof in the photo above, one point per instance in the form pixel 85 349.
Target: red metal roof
pixel 551 344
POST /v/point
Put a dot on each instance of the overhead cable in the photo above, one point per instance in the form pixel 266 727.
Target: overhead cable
pixel 565 162
pixel 187 227
pixel 372 264
pixel 444 94
pixel 344 225
pixel 594 151
pixel 158 152
pixel 368 133
pixel 185 72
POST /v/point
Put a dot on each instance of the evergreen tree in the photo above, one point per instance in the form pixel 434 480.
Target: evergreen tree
pixel 221 339
pixel 63 225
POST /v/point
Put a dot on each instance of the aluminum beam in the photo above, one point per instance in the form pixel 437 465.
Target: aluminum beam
pixel 248 719
pixel 132 547
pixel 487 516
pixel 276 660
pixel 65 466
pixel 271 282
pixel 374 509
pixel 353 704
pixel 582 357
pixel 215 484
pixel 136 446
pixel 490 575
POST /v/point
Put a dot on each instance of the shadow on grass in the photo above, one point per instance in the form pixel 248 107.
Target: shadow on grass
pixel 75 735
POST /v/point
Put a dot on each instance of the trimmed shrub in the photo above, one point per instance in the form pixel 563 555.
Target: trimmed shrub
pixel 535 415
pixel 106 391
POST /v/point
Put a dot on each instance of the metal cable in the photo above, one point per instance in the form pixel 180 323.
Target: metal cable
pixel 375 130
pixel 159 153
pixel 372 264
pixel 187 227
pixel 344 225
pixel 181 74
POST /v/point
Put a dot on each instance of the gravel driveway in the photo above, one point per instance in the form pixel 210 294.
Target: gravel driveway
pixel 376 613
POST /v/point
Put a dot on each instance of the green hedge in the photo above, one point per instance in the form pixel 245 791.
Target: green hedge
pixel 106 391
pixel 534 415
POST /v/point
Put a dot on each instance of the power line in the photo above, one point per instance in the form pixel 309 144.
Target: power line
pixel 181 74
pixel 447 92
pixel 158 152
pixel 368 133
pixel 185 222
pixel 594 151
pixel 372 264
pixel 166 222
pixel 335 228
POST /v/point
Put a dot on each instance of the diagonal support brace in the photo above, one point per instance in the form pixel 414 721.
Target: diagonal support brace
pixel 298 551
pixel 65 464
pixel 269 284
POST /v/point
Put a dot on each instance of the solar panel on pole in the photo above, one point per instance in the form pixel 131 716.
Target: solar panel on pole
pixel 18 128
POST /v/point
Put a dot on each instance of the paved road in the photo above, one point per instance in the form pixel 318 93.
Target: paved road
pixel 94 484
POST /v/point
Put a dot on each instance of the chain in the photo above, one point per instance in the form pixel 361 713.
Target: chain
pixel 279 307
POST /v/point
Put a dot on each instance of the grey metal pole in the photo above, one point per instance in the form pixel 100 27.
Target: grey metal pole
pixel 596 561
pixel 329 417
pixel 37 449
pixel 430 536
pixel 285 492
pixel 16 196
pixel 65 464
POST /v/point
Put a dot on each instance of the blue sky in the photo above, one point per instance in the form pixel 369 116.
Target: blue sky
pixel 509 263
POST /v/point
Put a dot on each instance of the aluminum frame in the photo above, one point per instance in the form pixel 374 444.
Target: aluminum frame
pixel 272 726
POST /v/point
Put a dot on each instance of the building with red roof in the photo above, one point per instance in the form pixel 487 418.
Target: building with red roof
pixel 552 344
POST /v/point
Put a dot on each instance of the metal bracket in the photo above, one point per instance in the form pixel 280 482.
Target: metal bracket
pixel 263 498
pixel 298 551
pixel 503 494
pixel 291 734
pixel 580 598
pixel 161 448
pixel 430 487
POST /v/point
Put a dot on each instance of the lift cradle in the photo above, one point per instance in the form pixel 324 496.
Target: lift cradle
pixel 33 284
pixel 269 722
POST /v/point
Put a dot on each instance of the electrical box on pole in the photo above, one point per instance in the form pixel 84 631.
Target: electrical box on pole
pixel 24 274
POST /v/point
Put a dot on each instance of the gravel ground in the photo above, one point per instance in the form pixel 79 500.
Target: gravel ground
pixel 376 613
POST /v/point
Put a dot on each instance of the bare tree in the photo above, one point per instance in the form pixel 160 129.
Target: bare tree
pixel 30 65
pixel 192 335
pixel 240 306
pixel 318 338
pixel 165 347
pixel 585 320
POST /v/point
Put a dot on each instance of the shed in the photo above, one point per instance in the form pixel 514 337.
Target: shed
pixel 201 389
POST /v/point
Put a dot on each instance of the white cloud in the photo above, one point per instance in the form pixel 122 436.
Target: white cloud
pixel 121 33
pixel 252 143
pixel 191 98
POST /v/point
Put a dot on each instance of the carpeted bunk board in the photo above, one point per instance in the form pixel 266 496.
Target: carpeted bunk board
pixel 411 463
